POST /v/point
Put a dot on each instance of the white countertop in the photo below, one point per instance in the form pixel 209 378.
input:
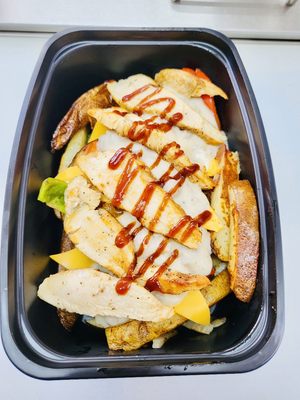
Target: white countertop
pixel 237 18
pixel 273 68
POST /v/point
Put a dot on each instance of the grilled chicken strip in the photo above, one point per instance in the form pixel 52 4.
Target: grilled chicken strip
pixel 134 334
pixel 189 195
pixel 141 93
pixel 187 84
pixel 127 183
pixel 162 142
pixel 77 116
pixel 94 231
pixel 90 292
pixel 189 261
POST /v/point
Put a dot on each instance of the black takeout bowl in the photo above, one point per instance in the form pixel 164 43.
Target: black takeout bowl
pixel 71 63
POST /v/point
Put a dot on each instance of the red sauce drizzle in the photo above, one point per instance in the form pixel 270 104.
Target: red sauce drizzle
pixel 156 162
pixel 136 231
pixel 168 108
pixel 203 217
pixel 142 89
pixel 186 171
pixel 124 283
pixel 146 102
pixel 180 224
pixel 145 99
pixel 167 147
pixel 153 282
pixel 150 260
pixel 177 186
pixel 117 158
pixel 166 176
pixel 178 154
pixel 124 236
pixel 139 208
pixel 159 211
pixel 142 134
pixel 122 113
pixel 143 244
pixel 126 178
pixel 194 223
pixel 176 118
pixel 129 146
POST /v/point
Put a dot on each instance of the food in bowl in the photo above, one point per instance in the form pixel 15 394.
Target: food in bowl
pixel 145 198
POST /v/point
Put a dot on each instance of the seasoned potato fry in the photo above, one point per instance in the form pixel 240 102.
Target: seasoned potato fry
pixel 77 116
pixel 174 282
pixel 220 203
pixel 66 318
pixel 244 239
pixel 134 334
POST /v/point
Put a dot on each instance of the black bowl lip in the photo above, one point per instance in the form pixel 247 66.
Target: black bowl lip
pixel 42 367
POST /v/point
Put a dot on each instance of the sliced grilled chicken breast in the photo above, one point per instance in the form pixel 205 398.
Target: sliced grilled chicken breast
pixel 92 293
pixel 187 84
pixel 165 143
pixel 189 261
pixel 141 93
pixel 129 185
pixel 189 196
pixel 94 231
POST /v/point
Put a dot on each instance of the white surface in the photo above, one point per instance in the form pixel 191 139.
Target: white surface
pixel 273 69
pixel 237 18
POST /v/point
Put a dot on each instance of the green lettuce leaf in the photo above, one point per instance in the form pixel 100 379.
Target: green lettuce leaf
pixel 52 193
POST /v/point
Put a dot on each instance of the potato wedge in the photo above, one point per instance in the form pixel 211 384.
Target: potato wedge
pixel 66 318
pixel 134 334
pixel 77 116
pixel 244 239
pixel 220 203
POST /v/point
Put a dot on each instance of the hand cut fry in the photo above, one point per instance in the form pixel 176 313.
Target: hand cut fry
pixel 244 239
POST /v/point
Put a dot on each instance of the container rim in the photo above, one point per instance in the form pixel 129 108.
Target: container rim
pixel 266 349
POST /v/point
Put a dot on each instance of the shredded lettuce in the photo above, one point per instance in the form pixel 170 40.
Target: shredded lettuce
pixel 52 193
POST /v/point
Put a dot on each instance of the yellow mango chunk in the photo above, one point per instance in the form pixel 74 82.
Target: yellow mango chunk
pixel 194 307
pixel 214 167
pixel 72 259
pixel 99 130
pixel 68 174
pixel 214 223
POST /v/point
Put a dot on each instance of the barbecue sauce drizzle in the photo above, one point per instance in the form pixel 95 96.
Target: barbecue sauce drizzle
pixel 128 176
pixel 153 282
pixel 147 102
pixel 124 236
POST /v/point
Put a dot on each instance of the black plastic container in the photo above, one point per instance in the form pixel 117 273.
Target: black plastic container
pixel 71 63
